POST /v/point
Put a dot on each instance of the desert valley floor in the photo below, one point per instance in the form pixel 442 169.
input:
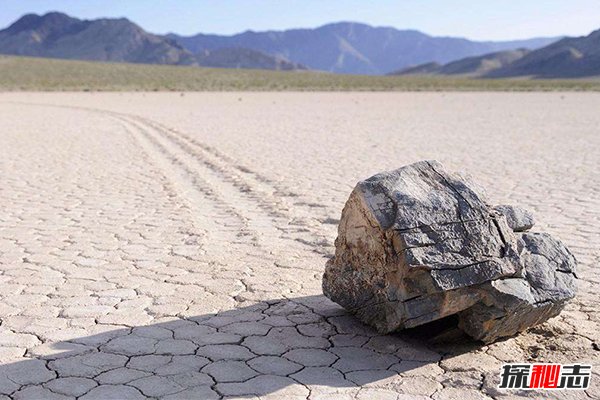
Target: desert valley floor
pixel 171 245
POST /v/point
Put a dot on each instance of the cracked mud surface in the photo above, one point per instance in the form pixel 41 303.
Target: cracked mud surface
pixel 168 246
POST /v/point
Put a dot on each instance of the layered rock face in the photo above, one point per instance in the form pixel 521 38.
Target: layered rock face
pixel 420 243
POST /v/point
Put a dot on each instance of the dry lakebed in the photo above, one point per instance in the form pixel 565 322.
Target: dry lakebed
pixel 172 245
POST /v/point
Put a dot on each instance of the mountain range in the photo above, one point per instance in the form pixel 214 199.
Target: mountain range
pixel 344 47
pixel 577 57
pixel 349 47
pixel 474 67
pixel 57 35
pixel 568 58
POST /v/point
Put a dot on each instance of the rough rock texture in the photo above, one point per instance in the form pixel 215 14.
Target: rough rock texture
pixel 420 243
pixel 518 218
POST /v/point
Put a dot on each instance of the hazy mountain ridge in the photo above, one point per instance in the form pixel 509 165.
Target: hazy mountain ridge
pixel 577 57
pixel 244 58
pixel 478 66
pixel 568 58
pixel 57 35
pixel 349 47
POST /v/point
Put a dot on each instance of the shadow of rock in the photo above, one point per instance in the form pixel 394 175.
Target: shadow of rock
pixel 285 348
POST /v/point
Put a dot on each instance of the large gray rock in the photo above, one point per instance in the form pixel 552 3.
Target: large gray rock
pixel 420 243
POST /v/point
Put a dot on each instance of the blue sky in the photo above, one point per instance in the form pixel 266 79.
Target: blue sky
pixel 474 19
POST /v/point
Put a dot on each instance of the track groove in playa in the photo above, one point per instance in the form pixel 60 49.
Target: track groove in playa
pixel 139 260
pixel 250 196
pixel 246 191
pixel 259 220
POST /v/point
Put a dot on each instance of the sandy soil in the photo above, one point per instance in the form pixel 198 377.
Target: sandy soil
pixel 171 245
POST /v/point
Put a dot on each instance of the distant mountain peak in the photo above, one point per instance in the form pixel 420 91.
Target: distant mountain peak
pixel 58 35
pixel 353 47
pixel 574 57
pixel 34 21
